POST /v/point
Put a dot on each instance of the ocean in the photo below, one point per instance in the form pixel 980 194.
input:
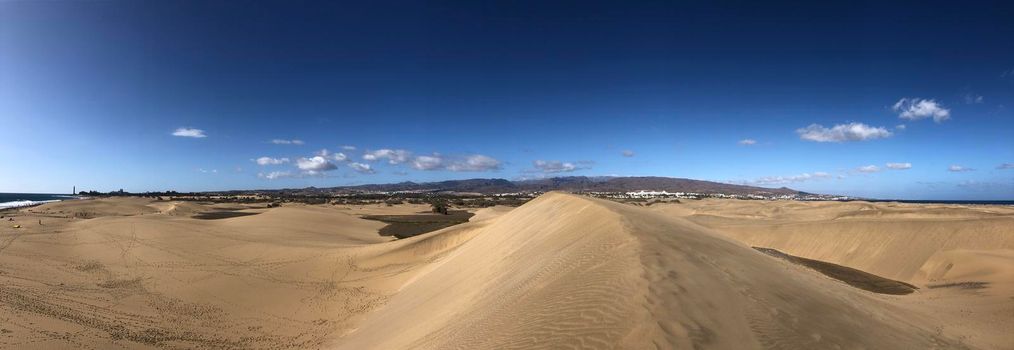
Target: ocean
pixel 11 200
pixel 921 201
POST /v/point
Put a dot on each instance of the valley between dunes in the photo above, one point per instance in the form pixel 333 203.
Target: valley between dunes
pixel 562 271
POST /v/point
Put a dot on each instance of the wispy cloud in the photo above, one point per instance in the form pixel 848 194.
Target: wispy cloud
pixel 349 148
pixel 747 142
pixel 189 132
pixel 475 162
pixel 971 98
pixel 206 171
pixel 781 180
pixel 287 142
pixel 274 175
pixel 868 169
pixel 433 162
pixel 958 169
pixel 1005 166
pixel 556 166
pixel 362 168
pixel 917 108
pixel 900 127
pixel 842 133
pixel 899 166
pixel 271 161
pixel 470 163
pixel 628 153
pixel 393 156
pixel 985 186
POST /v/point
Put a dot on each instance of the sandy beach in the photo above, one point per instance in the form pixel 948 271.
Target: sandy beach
pixel 562 271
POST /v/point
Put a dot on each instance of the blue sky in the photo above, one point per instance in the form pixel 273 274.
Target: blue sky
pixel 92 93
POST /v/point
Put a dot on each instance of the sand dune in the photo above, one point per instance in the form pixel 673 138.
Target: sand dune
pixel 562 271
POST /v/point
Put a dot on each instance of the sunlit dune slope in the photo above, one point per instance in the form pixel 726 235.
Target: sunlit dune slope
pixel 565 271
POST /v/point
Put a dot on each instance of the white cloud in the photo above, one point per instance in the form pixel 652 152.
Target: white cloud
pixel 287 142
pixel 393 156
pixel 433 162
pixel 555 166
pixel 1005 166
pixel 917 108
pixel 274 175
pixel 780 180
pixel 958 168
pixel 475 162
pixel 189 132
pixel 842 133
pixel 314 164
pixel 747 142
pixel 628 153
pixel 973 99
pixel 271 161
pixel 362 168
pixel 349 148
pixel 900 127
pixel 868 169
pixel 213 171
pixel 899 166
pixel 340 157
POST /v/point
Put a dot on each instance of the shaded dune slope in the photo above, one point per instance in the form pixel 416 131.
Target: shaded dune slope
pixel 565 271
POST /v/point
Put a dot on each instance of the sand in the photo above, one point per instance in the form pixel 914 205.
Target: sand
pixel 563 271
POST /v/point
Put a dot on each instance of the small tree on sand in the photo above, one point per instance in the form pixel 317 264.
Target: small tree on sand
pixel 439 207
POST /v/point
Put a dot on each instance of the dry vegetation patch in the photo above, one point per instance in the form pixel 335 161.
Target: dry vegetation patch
pixel 404 226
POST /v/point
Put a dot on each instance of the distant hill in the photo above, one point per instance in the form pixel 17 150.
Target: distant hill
pixel 568 183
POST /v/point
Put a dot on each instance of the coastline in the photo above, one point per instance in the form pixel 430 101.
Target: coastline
pixel 23 200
